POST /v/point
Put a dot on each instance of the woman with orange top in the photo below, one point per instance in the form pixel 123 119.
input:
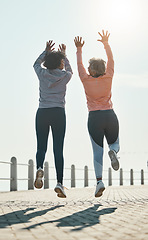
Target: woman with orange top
pixel 102 120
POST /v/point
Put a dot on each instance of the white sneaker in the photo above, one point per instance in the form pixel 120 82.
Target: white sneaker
pixel 38 183
pixel 59 189
pixel 99 189
pixel 114 160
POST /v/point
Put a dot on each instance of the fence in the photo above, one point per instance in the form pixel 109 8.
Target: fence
pixel 14 180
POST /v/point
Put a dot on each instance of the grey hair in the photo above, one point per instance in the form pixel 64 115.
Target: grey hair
pixel 97 65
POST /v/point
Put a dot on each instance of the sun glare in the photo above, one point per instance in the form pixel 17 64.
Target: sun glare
pixel 119 13
pixel 120 10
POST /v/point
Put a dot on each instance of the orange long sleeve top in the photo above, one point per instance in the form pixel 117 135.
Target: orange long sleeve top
pixel 97 90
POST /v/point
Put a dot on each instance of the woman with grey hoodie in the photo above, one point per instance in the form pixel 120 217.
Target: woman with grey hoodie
pixel 53 79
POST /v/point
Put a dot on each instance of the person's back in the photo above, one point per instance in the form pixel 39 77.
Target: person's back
pixel 51 112
pixel 102 120
pixel 52 82
pixel 97 88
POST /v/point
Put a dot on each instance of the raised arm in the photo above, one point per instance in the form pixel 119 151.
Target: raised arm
pixel 37 65
pixel 62 48
pixel 81 70
pixel 110 62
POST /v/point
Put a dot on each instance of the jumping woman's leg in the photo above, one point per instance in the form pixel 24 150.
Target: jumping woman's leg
pixel 42 132
pixel 58 127
pixel 98 159
pixel 112 131
pixel 96 131
pixel 112 136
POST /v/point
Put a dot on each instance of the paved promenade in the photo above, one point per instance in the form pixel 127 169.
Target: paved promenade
pixel 121 213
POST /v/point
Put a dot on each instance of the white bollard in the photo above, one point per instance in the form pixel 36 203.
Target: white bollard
pixel 30 175
pixel 85 176
pixel 46 175
pixel 73 182
pixel 13 174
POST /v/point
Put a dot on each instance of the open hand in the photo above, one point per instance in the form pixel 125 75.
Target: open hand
pixel 78 41
pixel 62 48
pixel 104 36
pixel 49 46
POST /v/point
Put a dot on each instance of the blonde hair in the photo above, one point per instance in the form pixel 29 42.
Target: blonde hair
pixel 98 66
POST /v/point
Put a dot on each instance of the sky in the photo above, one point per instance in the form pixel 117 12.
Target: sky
pixel 25 28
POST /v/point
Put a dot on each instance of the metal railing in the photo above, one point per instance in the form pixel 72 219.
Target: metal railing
pixel 14 179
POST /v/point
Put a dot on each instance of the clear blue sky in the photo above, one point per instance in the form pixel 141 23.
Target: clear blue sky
pixel 25 28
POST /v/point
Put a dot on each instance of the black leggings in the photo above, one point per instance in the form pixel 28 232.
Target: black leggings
pixel 103 123
pixel 54 117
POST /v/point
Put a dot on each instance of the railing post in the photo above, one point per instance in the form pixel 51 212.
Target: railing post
pixel 131 177
pixel 85 176
pixel 46 176
pixel 30 174
pixel 109 177
pixel 142 177
pixel 73 184
pixel 13 174
pixel 121 176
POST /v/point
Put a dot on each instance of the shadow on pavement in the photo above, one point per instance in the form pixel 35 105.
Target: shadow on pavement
pixel 20 216
pixel 80 220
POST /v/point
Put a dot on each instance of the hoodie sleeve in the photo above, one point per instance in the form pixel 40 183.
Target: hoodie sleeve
pixel 67 66
pixel 68 70
pixel 37 65
pixel 81 69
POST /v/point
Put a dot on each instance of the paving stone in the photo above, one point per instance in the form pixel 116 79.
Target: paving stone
pixel 121 213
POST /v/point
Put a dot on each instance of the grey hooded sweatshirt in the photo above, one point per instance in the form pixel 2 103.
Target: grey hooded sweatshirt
pixel 52 83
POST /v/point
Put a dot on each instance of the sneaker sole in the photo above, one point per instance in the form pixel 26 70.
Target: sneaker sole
pixel 38 182
pixel 114 160
pixel 59 192
pixel 100 192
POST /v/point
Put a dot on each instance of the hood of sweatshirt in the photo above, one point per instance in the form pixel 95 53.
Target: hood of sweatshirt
pixel 55 76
